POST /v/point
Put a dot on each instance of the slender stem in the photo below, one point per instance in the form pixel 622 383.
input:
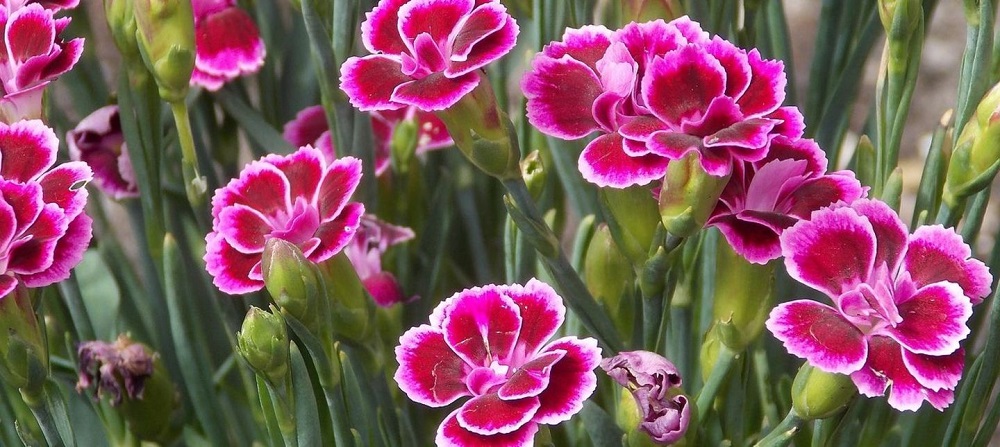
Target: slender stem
pixel 46 409
pixel 715 379
pixel 194 182
pixel 783 433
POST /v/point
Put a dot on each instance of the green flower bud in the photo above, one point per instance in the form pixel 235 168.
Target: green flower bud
pixel 263 343
pixel 818 394
pixel 709 353
pixel 743 297
pixel 404 143
pixel 353 312
pixel 609 277
pixel 121 21
pixel 688 196
pixel 24 356
pixel 165 31
pixel 633 216
pixel 483 133
pixel 294 283
pixel 976 158
pixel 900 17
pixel 533 171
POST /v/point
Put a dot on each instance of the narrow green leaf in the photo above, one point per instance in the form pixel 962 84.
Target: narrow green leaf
pixel 251 121
pixel 307 420
pixel 600 426
pixel 267 410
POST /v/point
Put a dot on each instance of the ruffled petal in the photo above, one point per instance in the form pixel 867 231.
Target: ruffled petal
pixel 823 191
pixel 27 149
pixel 437 18
pixel 934 320
pixel 474 49
pixel 682 84
pixel 244 228
pixel 452 434
pixel 379 31
pixel 260 186
pixel 229 268
pixel 936 372
pixel 481 325
pixel 542 312
pixel 561 93
pixel 489 414
pixel 306 127
pixel 753 234
pixel 64 186
pixel 228 44
pixel 335 190
pixel 604 163
pixel 531 378
pixel 586 44
pixel 303 169
pixel 335 234
pixel 30 32
pixel 935 253
pixel 67 254
pixel 832 252
pixel 572 379
pixel 767 86
pixel 435 91
pixel 429 371
pixel 889 231
pixel 819 334
pixel 370 81
pixel 885 368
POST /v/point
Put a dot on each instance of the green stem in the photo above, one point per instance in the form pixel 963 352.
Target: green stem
pixel 194 182
pixel 51 415
pixel 783 433
pixel 718 375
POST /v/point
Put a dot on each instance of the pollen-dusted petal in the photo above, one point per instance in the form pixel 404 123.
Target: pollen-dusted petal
pixel 452 434
pixel 934 320
pixel 604 163
pixel 885 365
pixel 832 252
pixel 335 234
pixel 561 93
pixel 482 325
pixel 542 312
pixel 339 182
pixel 682 84
pixel 819 334
pixel 586 44
pixel 27 148
pixel 767 86
pixel 935 253
pixel 435 17
pixel 489 414
pixel 67 254
pixel 531 378
pixel 429 371
pixel 435 91
pixel 65 186
pixel 244 228
pixel 30 32
pixel 936 372
pixel 229 268
pixel 303 169
pixel 380 32
pixel 890 232
pixel 370 81
pixel 572 379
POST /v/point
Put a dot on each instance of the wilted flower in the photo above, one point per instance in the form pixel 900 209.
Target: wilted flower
pixel 310 127
pixel 43 229
pixel 227 43
pixel 116 367
pixel 98 141
pixel 766 196
pixel 487 343
pixel 365 251
pixel 33 55
pixel 427 53
pixel 299 198
pixel 654 383
pixel 656 91
pixel 901 302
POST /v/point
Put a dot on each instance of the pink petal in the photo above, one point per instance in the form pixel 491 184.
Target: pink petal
pixel 379 31
pixel 30 32
pixel 432 133
pixel 202 8
pixel 819 334
pixel 785 148
pixel 37 252
pixel 482 325
pixel 572 380
pixel 542 312
pixel 244 228
pixel 935 253
pixel 207 81
pixel 735 63
pixel 889 231
pixel 335 234
pixel 832 252
pixel 792 123
pixel 767 86
pixel 434 17
pixel 7 284
pixel 824 191
pixel 68 55
pixel 752 133
pixel 370 81
pixel 936 372
pixel 586 44
pixel 530 379
pixel 27 148
pixel 605 163
pixel 339 182
pixel 481 38
pixel 229 268
pixel 64 186
pixel 452 434
pixel 652 39
pixel 67 254
pixel 682 84
pixel 933 320
pixel 8 224
pixel 429 371
pixel 435 92
pixel 260 186
pixel 24 198
pixel 489 414
pixel 885 368
pixel 641 128
pixel 228 44
pixel 750 237
pixel 673 145
pixel 560 94
pixel 384 289
pixel 303 169
pixel 307 126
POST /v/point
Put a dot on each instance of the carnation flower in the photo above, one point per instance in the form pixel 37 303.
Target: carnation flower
pixel 654 383
pixel 300 198
pixel 54 5
pixel 487 343
pixel 98 141
pixel 365 252
pixel 900 302
pixel 227 43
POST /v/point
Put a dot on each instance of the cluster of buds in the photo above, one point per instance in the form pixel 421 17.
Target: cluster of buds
pixel 976 158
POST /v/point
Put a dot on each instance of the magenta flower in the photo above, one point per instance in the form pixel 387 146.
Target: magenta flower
pixel 766 196
pixel 901 302
pixel 310 127
pixel 300 198
pixel 33 55
pixel 654 383
pixel 54 5
pixel 365 252
pixel 427 53
pixel 43 229
pixel 654 92
pixel 487 343
pixel 227 43
pixel 98 141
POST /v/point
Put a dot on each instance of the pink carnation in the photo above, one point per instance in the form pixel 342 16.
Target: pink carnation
pixel 654 92
pixel 98 141
pixel 900 302
pixel 54 5
pixel 426 53
pixel 365 252
pixel 300 198
pixel 488 343
pixel 43 229
pixel 227 43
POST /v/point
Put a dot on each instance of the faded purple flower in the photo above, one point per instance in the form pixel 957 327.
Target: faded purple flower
pixel 654 383
pixel 112 365
pixel 98 141
pixel 227 43
pixel 766 196
pixel 365 252
pixel 426 53
pixel 654 92
pixel 900 302
pixel 488 343
pixel 300 198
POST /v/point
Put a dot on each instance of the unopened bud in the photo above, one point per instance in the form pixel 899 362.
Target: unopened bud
pixel 743 297
pixel 293 282
pixel 167 44
pixel 121 21
pixel 818 394
pixel 24 357
pixel 609 277
pixel 633 217
pixel 353 312
pixel 688 196
pixel 263 343
pixel 533 171
pixel 976 158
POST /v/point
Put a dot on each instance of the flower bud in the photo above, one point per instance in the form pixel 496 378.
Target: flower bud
pixel 263 343
pixel 533 171
pixel 654 382
pixel 121 21
pixel 24 357
pixel 688 196
pixel 167 44
pixel 818 394
pixel 743 297
pixel 482 132
pixel 633 217
pixel 293 282
pixel 403 143
pixel 155 416
pixel 900 17
pixel 351 309
pixel 609 277
pixel 976 158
